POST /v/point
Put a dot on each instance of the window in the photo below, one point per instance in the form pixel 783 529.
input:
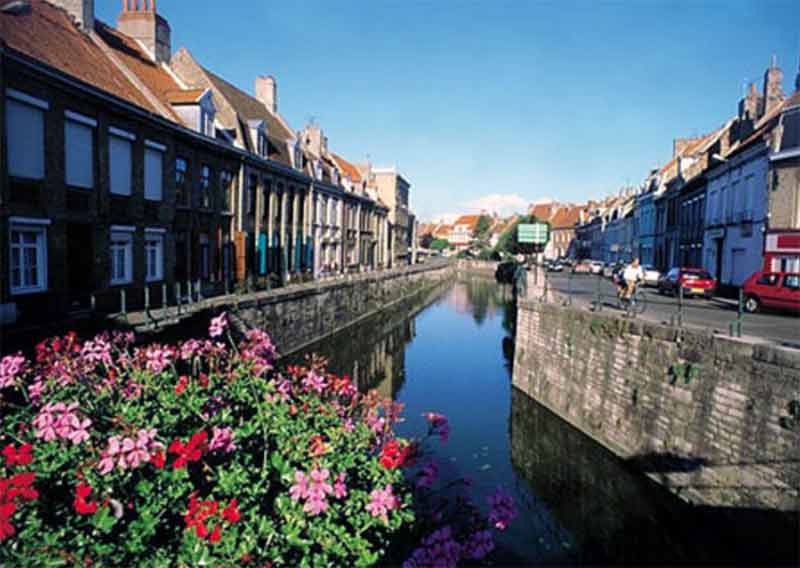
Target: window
pixel 79 150
pixel 25 135
pixel 767 280
pixel 206 122
pixel 120 148
pixel 792 281
pixel 181 193
pixel 154 254
pixel 263 145
pixel 266 200
pixel 121 250
pixel 205 187
pixel 204 257
pixel 28 252
pixel 252 188
pixel 154 171
pixel 226 187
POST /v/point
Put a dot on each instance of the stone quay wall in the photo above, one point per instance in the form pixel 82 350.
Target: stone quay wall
pixel 483 267
pixel 709 417
pixel 297 316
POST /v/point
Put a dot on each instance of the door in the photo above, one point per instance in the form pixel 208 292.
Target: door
pixel 80 263
pixel 718 267
pixel 181 259
pixel 789 292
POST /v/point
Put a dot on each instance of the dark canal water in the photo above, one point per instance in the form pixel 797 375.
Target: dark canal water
pixel 451 351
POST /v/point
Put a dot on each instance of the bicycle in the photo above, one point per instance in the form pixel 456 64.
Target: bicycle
pixel 633 305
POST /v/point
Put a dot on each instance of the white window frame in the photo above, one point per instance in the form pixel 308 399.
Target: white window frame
pixel 119 134
pixel 23 99
pixel 153 148
pixel 39 228
pixel 121 237
pixel 154 235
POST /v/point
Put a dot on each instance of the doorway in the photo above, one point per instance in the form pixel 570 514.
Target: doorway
pixel 80 265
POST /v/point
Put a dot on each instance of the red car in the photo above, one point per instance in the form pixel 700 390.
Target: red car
pixel 773 290
pixel 694 281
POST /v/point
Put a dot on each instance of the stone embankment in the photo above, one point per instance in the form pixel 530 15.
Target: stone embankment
pixel 714 419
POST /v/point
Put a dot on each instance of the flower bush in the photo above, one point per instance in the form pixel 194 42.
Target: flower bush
pixel 204 453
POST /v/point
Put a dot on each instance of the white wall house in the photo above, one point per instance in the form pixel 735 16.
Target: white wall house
pixel 735 217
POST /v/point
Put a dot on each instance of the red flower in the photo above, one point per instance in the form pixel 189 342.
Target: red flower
pixel 190 452
pixel 183 381
pixel 82 505
pixel 22 456
pixel 202 380
pixel 231 513
pixel 393 455
pixel 158 459
pixel 216 534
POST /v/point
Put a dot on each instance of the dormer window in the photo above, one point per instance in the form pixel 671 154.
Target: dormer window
pixel 335 176
pixel 258 131
pixel 318 170
pixel 196 109
pixel 298 156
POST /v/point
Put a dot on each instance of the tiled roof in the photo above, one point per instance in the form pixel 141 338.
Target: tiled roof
pixel 542 211
pixel 152 75
pixel 250 108
pixel 186 97
pixel 47 34
pixel 470 220
pixel 347 168
pixel 442 231
pixel 567 217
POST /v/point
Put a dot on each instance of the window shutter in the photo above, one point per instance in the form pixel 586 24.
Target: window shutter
pixel 241 255
pixel 120 165
pixel 25 132
pixel 153 174
pixel 79 154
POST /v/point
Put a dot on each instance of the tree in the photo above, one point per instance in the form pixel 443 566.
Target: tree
pixel 439 244
pixel 507 243
pixel 426 240
pixel 482 227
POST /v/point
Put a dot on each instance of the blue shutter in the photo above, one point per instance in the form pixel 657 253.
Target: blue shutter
pixel 262 253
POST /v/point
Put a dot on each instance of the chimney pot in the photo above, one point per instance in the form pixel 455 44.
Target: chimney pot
pixel 267 92
pixel 140 21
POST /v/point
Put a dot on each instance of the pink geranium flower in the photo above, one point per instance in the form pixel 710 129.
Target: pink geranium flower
pixel 381 501
pixel 218 325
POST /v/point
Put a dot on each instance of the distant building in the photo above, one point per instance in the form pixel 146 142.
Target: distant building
pixel 463 231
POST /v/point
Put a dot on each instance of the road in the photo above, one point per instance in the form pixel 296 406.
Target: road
pixel 716 313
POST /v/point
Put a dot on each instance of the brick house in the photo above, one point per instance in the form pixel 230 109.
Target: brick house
pixel 93 130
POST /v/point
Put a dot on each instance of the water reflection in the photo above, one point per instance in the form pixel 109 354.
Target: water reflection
pixel 373 352
pixel 451 350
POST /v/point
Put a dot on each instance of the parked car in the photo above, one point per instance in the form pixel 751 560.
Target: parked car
pixel 651 275
pixel 596 267
pixel 555 266
pixel 772 290
pixel 582 267
pixel 694 281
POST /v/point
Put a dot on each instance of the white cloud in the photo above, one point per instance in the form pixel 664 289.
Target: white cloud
pixel 501 203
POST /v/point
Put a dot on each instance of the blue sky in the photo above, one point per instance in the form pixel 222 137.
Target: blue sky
pixel 496 103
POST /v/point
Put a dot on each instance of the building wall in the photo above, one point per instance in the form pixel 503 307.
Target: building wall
pixel 735 218
pixel 707 405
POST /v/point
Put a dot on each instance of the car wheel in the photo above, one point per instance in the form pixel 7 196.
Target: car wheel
pixel 751 304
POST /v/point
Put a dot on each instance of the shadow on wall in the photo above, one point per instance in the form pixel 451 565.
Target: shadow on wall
pixel 618 515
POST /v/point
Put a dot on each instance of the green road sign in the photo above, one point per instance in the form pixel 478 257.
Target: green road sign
pixel 533 233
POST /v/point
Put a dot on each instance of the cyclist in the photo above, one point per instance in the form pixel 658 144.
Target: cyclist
pixel 631 276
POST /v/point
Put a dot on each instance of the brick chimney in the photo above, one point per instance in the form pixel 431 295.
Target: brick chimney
pixel 82 11
pixel 140 21
pixel 267 92
pixel 773 89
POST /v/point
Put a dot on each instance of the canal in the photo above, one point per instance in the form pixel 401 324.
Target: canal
pixel 450 350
